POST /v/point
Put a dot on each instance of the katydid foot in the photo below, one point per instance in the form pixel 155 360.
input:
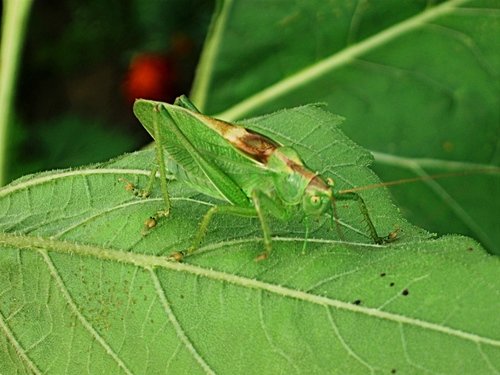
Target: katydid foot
pixel 129 186
pixel 152 221
pixel 391 237
pixel 177 256
pixel 262 256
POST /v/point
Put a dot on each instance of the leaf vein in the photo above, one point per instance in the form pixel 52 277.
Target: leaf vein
pixel 404 341
pixel 83 321
pixel 346 346
pixel 485 357
pixel 269 339
pixel 17 345
pixel 176 325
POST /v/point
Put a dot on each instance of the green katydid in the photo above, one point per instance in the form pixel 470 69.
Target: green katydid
pixel 255 175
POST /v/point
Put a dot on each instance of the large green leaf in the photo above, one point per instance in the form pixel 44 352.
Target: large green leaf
pixel 82 290
pixel 417 81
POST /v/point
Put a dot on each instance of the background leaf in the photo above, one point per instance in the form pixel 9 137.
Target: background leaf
pixel 78 278
pixel 416 80
pixel 54 145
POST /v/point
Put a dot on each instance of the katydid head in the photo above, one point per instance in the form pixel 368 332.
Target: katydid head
pixel 318 197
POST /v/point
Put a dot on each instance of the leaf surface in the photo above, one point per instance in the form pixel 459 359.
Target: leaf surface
pixel 78 278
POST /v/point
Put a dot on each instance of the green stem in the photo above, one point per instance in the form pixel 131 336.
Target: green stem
pixel 210 53
pixel 13 28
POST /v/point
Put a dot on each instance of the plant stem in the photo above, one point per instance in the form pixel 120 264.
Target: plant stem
pixel 13 29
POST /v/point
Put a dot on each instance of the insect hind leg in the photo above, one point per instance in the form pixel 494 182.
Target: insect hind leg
pixel 205 222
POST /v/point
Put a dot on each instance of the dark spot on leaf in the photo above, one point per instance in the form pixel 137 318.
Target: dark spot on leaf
pixel 470 249
pixel 391 284
pixel 182 295
pixel 357 302
pixel 393 371
pixel 382 274
pixel 405 292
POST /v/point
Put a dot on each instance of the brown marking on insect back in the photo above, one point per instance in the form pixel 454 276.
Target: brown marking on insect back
pixel 257 146
pixel 292 165
pixel 253 144
pixel 260 148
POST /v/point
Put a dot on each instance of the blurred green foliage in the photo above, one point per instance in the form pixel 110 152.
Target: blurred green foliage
pixel 70 107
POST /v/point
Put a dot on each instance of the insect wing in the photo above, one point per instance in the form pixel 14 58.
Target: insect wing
pixel 214 148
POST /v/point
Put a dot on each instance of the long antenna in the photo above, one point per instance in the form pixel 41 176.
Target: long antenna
pixel 492 170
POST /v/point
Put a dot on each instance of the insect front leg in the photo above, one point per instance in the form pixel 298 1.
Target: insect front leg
pixel 160 159
pixel 141 193
pixel 263 202
pixel 364 211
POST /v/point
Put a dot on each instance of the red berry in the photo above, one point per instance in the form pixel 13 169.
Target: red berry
pixel 150 76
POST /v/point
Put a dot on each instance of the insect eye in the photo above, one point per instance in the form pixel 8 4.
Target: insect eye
pixel 315 200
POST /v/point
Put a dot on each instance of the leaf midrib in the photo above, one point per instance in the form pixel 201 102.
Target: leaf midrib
pixel 27 242
pixel 328 64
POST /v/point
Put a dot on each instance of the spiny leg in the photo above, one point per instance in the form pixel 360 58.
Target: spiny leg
pixel 362 206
